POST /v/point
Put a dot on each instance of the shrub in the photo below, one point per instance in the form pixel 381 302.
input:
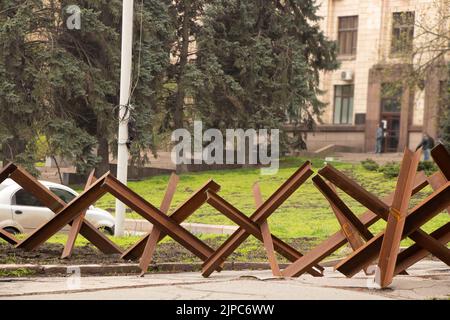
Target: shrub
pixel 370 165
pixel 390 169
pixel 428 167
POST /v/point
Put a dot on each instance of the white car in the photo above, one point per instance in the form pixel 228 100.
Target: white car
pixel 21 212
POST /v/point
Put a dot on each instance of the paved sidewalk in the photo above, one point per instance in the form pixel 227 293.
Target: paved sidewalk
pixel 427 280
pixel 141 226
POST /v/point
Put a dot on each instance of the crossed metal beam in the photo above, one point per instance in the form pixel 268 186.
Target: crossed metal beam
pixel 8 237
pixel 256 224
pixel 109 184
pixel 145 247
pixel 179 215
pixel 155 235
pixel 421 214
pixel 54 203
pixel 76 224
pixel 399 224
pixel 337 240
pixel 266 234
pixel 396 219
pixel 344 215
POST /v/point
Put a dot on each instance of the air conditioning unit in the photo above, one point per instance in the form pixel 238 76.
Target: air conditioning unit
pixel 347 75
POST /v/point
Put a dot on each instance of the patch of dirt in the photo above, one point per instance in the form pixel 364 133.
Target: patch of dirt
pixel 50 254
pixel 250 251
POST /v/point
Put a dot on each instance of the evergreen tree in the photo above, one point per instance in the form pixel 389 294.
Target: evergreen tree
pixel 64 84
pixel 152 61
pixel 260 62
pixel 186 16
pixel 256 65
pixel 83 68
pixel 97 47
pixel 22 84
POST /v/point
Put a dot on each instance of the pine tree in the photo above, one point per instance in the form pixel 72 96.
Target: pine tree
pixel 22 86
pixel 152 63
pixel 83 78
pixel 260 62
pixel 64 84
pixel 186 16
pixel 97 47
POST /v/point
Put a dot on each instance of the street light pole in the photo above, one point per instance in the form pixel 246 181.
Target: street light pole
pixel 125 90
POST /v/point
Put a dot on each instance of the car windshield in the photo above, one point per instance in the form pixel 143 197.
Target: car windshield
pixel 64 195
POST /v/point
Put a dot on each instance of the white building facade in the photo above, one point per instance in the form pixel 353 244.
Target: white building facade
pixel 374 37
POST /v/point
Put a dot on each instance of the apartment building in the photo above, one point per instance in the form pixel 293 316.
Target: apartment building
pixel 374 37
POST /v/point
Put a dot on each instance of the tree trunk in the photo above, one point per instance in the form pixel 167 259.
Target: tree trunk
pixel 58 168
pixel 184 54
pixel 12 148
pixel 103 152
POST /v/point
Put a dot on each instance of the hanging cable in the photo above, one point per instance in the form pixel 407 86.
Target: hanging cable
pixel 140 52
pixel 128 107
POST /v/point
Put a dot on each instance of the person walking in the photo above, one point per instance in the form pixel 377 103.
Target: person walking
pixel 379 137
pixel 427 144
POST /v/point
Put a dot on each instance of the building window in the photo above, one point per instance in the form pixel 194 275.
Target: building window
pixel 348 35
pixel 402 32
pixel 343 104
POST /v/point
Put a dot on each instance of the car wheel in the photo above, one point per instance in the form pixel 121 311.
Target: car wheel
pixel 107 230
pixel 11 230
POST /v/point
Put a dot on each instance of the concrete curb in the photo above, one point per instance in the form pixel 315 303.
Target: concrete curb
pixel 143 226
pixel 11 270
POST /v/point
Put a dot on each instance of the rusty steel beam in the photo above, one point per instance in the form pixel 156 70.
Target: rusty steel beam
pixel 338 239
pixel 33 186
pixel 110 184
pixel 260 215
pixel 352 234
pixel 436 181
pixel 415 253
pixel 433 246
pixel 354 190
pixel 419 215
pixel 157 218
pixel 98 239
pixel 266 234
pixel 6 171
pixel 251 227
pixel 269 247
pixel 65 216
pixel 54 203
pixel 361 195
pixel 155 234
pixel 396 220
pixel 179 215
pixel 76 224
pixel 283 193
pixel 442 158
pixel 338 205
pixel 8 237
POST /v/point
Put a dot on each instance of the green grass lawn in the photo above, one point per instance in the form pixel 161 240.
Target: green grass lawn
pixel 305 214
pixel 303 220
